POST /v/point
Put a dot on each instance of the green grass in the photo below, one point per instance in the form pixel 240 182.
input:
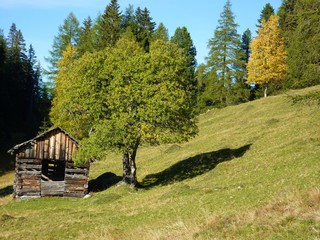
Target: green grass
pixel 253 172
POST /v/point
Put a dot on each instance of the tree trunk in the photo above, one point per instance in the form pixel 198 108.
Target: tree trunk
pixel 133 168
pixel 126 168
pixel 266 90
pixel 129 166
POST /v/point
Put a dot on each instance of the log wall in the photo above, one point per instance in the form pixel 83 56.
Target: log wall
pixel 76 180
pixel 28 178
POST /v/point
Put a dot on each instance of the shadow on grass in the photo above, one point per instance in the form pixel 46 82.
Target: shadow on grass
pixel 6 162
pixel 6 191
pixel 103 182
pixel 193 167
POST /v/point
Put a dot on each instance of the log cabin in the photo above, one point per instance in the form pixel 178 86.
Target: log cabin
pixel 45 167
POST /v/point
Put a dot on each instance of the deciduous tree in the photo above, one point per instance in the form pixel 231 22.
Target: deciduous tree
pixel 268 59
pixel 147 99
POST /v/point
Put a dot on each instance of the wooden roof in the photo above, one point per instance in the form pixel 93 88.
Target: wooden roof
pixel 41 136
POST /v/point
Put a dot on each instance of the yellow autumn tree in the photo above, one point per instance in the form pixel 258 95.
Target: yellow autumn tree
pixel 268 59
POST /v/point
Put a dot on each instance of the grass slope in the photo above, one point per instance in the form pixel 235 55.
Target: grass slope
pixel 253 172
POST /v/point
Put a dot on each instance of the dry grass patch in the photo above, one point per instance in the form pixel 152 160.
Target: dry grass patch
pixel 292 216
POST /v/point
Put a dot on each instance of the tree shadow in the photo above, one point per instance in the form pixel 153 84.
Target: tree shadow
pixel 103 182
pixel 6 191
pixel 193 167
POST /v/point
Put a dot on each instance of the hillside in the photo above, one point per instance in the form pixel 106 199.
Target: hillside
pixel 253 172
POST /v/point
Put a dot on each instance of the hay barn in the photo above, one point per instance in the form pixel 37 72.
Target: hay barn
pixel 44 167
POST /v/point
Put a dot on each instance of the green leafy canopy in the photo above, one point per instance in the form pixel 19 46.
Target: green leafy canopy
pixel 124 97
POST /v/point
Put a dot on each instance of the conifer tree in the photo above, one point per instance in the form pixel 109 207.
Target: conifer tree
pixel 207 89
pixel 183 40
pixel 3 84
pixel 226 58
pixel 128 19
pixel 300 26
pixel 86 38
pixel 20 84
pixel 17 78
pixel 144 27
pixel 245 44
pixel 265 14
pixel 3 50
pixel 109 26
pixel 161 32
pixel 268 59
pixel 287 17
pixel 68 33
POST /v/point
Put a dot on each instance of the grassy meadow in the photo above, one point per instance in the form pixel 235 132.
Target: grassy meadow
pixel 253 172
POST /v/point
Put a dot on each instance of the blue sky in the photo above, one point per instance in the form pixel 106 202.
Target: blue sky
pixel 39 19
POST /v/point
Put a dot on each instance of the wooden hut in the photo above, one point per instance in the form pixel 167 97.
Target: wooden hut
pixel 44 167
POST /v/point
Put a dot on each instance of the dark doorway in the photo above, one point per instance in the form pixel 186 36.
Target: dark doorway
pixel 52 178
pixel 53 170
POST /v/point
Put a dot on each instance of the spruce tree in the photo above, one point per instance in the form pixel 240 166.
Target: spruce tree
pixel 183 40
pixel 17 78
pixel 109 26
pixel 287 18
pixel 144 27
pixel 86 38
pixel 301 28
pixel 266 12
pixel 245 44
pixel 128 19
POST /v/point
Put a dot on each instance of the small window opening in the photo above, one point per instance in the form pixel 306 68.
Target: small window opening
pixel 53 170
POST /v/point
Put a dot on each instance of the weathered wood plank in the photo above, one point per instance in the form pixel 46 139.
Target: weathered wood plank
pixel 69 164
pixel 30 194
pixel 77 170
pixel 62 147
pixel 76 181
pixel 24 166
pixel 29 173
pixel 28 186
pixel 51 193
pixel 75 176
pixel 52 147
pixel 27 190
pixel 28 182
pixel 74 188
pixel 46 148
pixel 52 188
pixel 35 177
pixel 30 160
